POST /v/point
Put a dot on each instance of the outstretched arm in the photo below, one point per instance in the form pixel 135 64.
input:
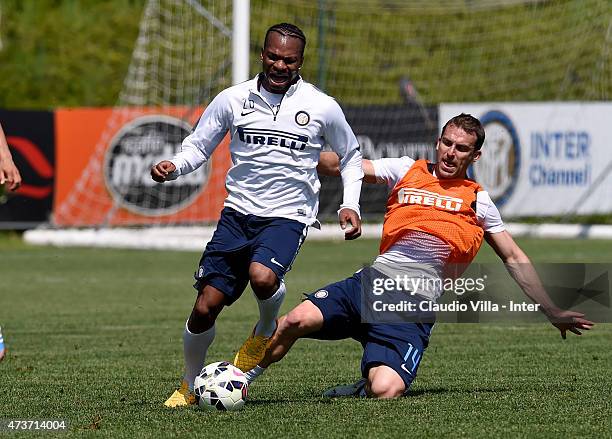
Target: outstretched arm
pixel 197 147
pixel 522 271
pixel 329 164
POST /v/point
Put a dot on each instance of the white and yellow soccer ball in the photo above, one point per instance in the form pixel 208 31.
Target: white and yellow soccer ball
pixel 221 386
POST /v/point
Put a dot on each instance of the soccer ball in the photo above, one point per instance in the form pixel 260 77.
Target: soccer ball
pixel 221 386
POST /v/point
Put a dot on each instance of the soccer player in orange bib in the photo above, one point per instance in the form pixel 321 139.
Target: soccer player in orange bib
pixel 436 218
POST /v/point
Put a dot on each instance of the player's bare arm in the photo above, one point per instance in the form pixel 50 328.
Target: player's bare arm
pixel 522 271
pixel 160 171
pixel 329 164
pixel 8 171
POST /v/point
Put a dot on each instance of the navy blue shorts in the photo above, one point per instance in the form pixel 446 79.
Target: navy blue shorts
pixel 397 345
pixel 241 239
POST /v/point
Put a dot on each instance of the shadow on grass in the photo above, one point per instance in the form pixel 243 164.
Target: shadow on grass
pixel 438 390
pixel 412 393
pixel 273 401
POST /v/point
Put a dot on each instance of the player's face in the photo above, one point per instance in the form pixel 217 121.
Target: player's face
pixel 281 60
pixel 455 153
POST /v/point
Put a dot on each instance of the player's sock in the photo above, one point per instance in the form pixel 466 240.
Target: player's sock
pixel 254 373
pixel 195 347
pixel 268 311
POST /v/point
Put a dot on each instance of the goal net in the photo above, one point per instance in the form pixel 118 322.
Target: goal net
pixel 181 60
pixel 388 63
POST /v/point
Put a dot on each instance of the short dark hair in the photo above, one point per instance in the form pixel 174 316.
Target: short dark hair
pixel 289 30
pixel 470 125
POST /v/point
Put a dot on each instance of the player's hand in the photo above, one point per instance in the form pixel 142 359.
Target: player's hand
pixel 160 171
pixel 350 223
pixel 569 321
pixel 10 175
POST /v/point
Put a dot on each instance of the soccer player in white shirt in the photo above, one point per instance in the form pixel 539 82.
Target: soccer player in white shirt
pixel 278 125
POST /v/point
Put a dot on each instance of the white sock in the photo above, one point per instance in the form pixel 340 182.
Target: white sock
pixel 254 373
pixel 268 311
pixel 195 347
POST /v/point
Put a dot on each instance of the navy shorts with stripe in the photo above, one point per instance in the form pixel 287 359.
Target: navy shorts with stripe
pixel 241 239
pixel 397 345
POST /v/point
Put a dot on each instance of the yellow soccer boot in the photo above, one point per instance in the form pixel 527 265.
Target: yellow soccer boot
pixel 251 352
pixel 181 397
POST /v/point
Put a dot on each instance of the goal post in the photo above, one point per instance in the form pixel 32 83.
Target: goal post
pixel 240 41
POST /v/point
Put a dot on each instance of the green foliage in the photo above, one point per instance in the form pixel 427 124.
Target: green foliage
pixel 94 337
pixel 453 51
pixel 65 52
pixel 77 52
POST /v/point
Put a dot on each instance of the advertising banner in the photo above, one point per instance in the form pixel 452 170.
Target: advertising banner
pixel 104 158
pixel 383 131
pixel 544 159
pixel 29 135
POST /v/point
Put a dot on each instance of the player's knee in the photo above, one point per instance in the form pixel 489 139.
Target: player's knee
pixel 385 388
pixel 293 324
pixel 263 280
pixel 203 315
pixel 305 319
pixel 201 318
pixel 201 310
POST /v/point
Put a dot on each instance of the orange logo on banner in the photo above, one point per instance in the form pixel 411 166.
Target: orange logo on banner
pixel 103 157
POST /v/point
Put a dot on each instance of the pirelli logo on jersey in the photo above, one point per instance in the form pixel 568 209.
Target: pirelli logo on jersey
pixel 256 136
pixel 426 198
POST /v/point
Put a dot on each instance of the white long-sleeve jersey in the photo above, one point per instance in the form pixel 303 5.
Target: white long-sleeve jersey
pixel 275 149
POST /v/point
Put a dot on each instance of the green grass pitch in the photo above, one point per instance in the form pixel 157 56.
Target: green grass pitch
pixel 94 337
